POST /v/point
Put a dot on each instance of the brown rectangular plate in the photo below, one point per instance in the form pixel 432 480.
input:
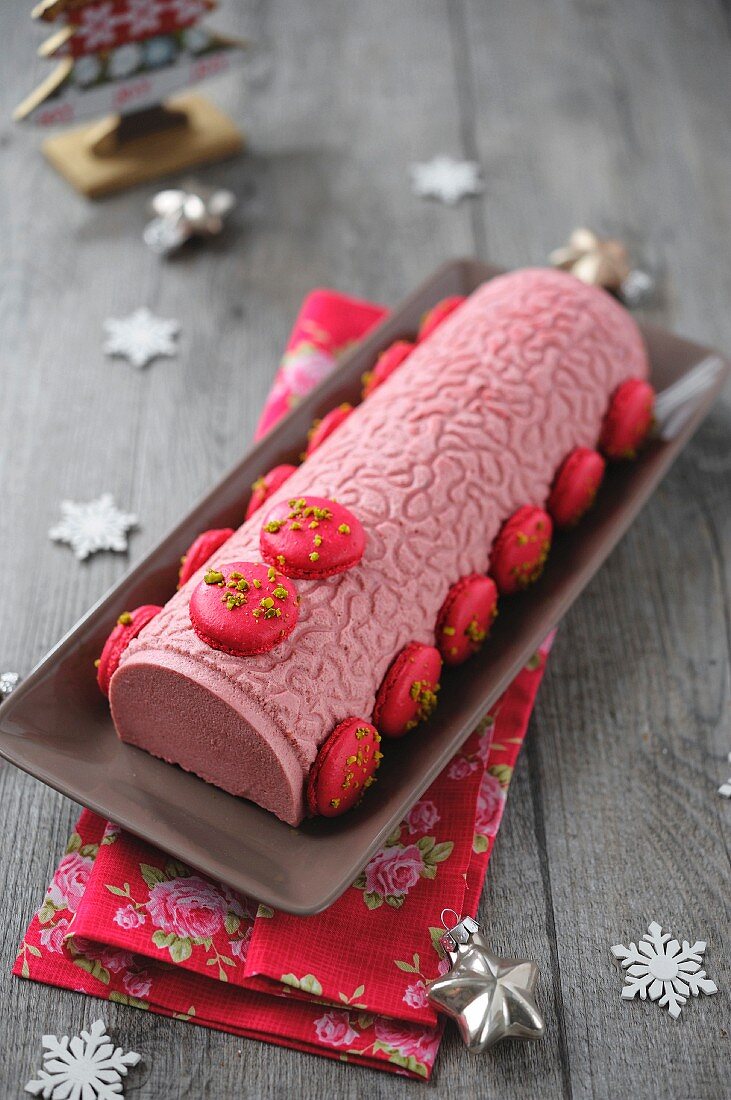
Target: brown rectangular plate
pixel 56 725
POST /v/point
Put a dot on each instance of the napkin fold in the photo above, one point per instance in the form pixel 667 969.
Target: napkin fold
pixel 123 921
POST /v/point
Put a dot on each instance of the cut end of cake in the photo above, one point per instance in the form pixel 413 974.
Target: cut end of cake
pixel 239 750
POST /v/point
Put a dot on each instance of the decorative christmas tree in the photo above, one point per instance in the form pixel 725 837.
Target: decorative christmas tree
pixel 125 57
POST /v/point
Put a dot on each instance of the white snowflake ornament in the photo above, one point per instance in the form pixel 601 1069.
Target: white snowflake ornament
pixel 659 968
pixel 93 525
pixel 446 179
pixel 86 1067
pixel 140 337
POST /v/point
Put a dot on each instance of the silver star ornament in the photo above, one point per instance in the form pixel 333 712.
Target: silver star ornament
pixel 490 998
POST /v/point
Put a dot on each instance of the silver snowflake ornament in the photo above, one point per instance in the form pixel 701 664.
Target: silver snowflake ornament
pixel 8 683
pixel 660 968
pixel 446 179
pixel 93 525
pixel 86 1067
pixel 140 337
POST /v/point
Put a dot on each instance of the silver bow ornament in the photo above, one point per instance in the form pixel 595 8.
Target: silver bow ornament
pixel 182 213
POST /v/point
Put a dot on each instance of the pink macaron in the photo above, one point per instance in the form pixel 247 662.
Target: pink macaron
pixel 344 768
pixel 243 608
pixel 628 419
pixel 264 486
pixel 128 626
pixel 408 694
pixel 321 429
pixel 575 486
pixel 388 361
pixel 433 318
pixel 521 549
pixel 200 550
pixel 311 537
pixel 465 617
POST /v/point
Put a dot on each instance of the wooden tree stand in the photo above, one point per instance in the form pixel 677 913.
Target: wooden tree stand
pixel 125 150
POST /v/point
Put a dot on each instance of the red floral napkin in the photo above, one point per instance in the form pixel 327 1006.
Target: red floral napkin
pixel 327 324
pixel 123 921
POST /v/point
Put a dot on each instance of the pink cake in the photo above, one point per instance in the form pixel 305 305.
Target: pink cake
pixel 472 426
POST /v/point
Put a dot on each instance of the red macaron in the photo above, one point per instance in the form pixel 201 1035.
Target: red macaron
pixel 433 317
pixel 465 617
pixel 127 627
pixel 321 429
pixel 264 486
pixel 408 694
pixel 311 537
pixel 344 768
pixel 244 608
pixel 628 419
pixel 520 549
pixel 575 486
pixel 200 550
pixel 386 363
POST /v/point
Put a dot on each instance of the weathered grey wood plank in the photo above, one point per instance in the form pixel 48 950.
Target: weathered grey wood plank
pixel 581 111
pixel 633 718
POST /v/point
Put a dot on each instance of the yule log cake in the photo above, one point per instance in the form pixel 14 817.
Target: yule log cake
pixel 470 428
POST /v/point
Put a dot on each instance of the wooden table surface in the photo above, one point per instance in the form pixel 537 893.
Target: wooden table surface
pixel 611 114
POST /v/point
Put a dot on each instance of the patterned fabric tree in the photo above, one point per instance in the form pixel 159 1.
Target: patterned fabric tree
pixel 124 57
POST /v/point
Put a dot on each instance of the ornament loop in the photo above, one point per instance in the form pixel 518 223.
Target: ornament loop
pixel 444 923
pixel 459 933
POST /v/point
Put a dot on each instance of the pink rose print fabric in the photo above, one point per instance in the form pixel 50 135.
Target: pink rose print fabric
pixel 125 922
pixel 327 325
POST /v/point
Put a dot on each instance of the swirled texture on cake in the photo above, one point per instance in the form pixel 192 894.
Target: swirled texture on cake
pixel 472 426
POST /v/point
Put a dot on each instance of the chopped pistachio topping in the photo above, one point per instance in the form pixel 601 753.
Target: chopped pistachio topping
pixel 475 633
pixel 271 571
pixel 233 599
pixel 125 619
pixel 351 759
pixel 378 757
pixel 273 526
pixel 214 576
pixel 97 662
pixel 424 695
pixel 258 485
pixel 314 556
pixel 256 582
pixel 295 526
pixel 235 576
pixel 344 529
pixel 335 802
pixel 449 630
pixel 281 559
pixel 280 592
pixel 361 732
pixel 318 540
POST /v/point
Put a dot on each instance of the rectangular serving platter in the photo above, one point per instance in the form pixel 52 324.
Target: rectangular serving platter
pixel 56 725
